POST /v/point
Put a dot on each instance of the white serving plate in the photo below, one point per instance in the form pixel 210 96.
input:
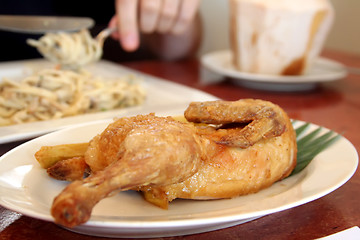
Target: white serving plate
pixel 26 188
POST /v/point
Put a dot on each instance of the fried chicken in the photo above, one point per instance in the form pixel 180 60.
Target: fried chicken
pixel 239 148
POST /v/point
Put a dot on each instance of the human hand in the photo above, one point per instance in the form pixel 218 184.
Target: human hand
pixel 148 16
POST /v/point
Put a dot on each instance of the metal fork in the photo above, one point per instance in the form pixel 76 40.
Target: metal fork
pixel 103 34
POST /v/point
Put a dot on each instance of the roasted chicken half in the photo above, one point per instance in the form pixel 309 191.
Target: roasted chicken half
pixel 223 150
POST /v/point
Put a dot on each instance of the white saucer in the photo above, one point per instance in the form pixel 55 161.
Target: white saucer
pixel 324 70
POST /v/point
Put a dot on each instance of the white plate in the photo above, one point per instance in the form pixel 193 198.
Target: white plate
pixel 161 95
pixel 26 188
pixel 324 70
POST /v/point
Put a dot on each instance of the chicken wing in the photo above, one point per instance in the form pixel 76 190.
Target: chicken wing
pixel 263 119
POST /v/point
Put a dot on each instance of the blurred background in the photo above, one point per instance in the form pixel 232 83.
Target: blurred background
pixel 344 35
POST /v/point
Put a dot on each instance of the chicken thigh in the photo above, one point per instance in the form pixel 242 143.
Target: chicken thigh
pixel 131 152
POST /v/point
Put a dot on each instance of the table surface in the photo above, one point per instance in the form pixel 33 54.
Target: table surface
pixel 335 105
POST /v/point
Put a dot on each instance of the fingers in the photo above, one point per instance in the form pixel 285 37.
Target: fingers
pixel 186 15
pixel 168 15
pixel 163 16
pixel 149 14
pixel 126 19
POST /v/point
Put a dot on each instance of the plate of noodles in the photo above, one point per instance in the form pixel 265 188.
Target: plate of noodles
pixel 99 91
pixel 72 85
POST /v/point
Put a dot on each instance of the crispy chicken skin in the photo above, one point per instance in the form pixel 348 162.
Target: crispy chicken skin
pixel 240 148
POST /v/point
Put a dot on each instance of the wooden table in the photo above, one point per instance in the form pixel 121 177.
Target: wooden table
pixel 335 105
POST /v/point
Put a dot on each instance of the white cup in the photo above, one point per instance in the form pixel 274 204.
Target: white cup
pixel 278 37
